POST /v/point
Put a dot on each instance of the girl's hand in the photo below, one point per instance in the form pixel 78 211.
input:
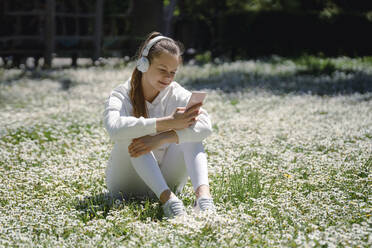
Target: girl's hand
pixel 182 119
pixel 144 144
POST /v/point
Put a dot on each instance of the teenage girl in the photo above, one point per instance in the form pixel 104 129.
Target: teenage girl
pixel 158 144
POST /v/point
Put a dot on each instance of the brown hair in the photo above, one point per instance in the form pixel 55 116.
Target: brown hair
pixel 136 93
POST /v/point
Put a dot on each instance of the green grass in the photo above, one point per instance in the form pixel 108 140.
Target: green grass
pixel 237 187
pixel 316 66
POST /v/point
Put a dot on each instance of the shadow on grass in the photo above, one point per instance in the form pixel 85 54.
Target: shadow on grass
pixel 98 207
pixel 65 82
pixel 313 76
pixel 301 82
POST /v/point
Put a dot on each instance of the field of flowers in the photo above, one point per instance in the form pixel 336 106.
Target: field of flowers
pixel 289 160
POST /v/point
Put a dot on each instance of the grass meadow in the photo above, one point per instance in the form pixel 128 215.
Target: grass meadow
pixel 289 159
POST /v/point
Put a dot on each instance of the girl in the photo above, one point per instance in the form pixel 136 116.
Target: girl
pixel 158 144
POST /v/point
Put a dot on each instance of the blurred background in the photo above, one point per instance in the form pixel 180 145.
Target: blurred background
pixel 35 32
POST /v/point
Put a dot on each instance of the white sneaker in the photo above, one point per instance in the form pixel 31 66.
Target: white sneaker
pixel 204 204
pixel 173 207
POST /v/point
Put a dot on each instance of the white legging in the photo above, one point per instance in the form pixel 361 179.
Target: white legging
pixel 144 176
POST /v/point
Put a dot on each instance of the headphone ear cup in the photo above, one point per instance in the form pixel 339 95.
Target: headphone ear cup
pixel 143 64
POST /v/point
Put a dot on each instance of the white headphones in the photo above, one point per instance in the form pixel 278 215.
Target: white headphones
pixel 143 63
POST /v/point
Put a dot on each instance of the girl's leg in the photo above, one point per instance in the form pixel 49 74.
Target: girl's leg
pixel 148 169
pixel 124 182
pixel 183 160
pixel 126 177
pixel 197 164
pixel 141 176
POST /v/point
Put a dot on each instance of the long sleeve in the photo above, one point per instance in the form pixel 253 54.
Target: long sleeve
pixel 198 131
pixel 201 129
pixel 119 124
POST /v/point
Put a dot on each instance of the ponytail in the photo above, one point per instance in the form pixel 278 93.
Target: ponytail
pixel 136 93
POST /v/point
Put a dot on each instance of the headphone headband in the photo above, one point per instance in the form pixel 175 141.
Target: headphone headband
pixel 151 43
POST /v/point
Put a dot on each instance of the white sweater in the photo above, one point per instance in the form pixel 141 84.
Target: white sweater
pixel 122 126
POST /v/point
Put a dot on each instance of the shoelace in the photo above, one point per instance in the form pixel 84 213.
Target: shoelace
pixel 176 207
pixel 173 208
pixel 206 204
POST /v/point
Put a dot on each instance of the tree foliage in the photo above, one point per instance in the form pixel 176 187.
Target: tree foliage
pixel 205 8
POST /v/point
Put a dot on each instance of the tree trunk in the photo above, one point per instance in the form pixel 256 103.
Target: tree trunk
pixel 49 32
pixel 168 18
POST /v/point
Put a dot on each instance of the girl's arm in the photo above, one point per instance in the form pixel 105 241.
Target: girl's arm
pixel 197 132
pixel 201 129
pixel 145 144
pixel 169 137
pixel 163 124
pixel 124 127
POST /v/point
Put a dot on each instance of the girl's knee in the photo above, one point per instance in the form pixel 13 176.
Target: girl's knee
pixel 194 147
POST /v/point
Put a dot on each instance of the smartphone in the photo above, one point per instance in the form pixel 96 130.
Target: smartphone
pixel 196 97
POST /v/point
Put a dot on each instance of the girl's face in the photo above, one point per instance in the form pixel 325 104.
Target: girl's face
pixel 162 71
